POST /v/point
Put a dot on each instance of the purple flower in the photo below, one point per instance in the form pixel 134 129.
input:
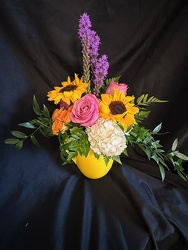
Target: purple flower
pixel 98 67
pixel 94 41
pixel 83 32
pixel 100 72
pixel 88 36
pixel 84 26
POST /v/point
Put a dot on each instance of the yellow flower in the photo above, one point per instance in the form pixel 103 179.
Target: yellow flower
pixel 119 108
pixel 69 92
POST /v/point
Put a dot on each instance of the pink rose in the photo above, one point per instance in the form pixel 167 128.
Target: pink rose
pixel 85 111
pixel 121 86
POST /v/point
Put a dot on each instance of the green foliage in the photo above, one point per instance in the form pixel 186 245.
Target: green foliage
pixel 73 142
pixel 144 139
pixel 115 79
pixel 143 114
pixel 142 102
pixel 27 125
pixel 14 141
pixel 117 159
pixel 42 124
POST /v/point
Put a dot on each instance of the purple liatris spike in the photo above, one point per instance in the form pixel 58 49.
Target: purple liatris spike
pixel 94 41
pixel 83 32
pixel 100 72
pixel 84 26
pixel 94 69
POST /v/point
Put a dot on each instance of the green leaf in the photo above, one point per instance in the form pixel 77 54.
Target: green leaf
pixel 125 152
pixel 117 159
pixel 70 156
pixel 36 107
pixel 18 134
pixel 46 111
pixel 155 158
pixel 160 150
pixel 162 172
pixel 11 141
pixel 161 160
pixel 147 140
pixel 182 156
pixel 175 144
pixel 145 98
pixel 140 98
pixel 27 125
pixel 19 145
pixel 157 128
pixel 142 115
pixel 35 103
pixel 115 79
pixel 148 153
pixel 183 175
pixel 34 140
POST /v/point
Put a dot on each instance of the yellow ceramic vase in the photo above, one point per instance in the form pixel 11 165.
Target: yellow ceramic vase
pixel 92 167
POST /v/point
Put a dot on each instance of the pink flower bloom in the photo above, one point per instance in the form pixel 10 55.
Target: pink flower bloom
pixel 85 111
pixel 120 86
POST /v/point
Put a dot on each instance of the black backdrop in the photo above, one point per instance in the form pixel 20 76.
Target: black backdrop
pixel 44 205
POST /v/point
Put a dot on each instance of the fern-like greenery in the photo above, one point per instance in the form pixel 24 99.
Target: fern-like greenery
pixel 142 102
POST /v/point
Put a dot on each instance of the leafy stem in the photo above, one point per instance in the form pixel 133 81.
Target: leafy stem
pixel 42 123
pixel 144 139
pixel 20 137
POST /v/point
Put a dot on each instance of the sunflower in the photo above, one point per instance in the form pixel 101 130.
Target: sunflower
pixel 119 108
pixel 69 92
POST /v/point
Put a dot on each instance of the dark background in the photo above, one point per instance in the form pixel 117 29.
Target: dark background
pixel 44 205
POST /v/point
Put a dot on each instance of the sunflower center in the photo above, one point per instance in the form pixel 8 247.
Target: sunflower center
pixel 70 87
pixel 117 107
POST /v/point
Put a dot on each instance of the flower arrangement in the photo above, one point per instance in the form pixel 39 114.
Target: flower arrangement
pixel 95 113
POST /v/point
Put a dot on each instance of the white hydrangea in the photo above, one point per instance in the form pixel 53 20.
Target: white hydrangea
pixel 106 137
